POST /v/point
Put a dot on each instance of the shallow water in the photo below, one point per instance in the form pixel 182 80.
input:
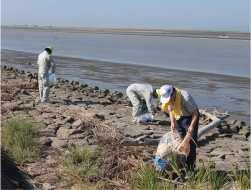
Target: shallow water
pixel 216 72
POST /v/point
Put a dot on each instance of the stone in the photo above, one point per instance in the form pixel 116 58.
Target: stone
pixel 233 159
pixel 240 123
pixel 33 169
pixel 163 122
pixel 222 166
pixel 104 90
pixel 58 143
pixel 78 143
pixel 50 160
pixel 69 120
pixel 66 133
pixel 225 131
pixel 239 137
pixel 47 186
pixel 234 128
pixel 77 124
pixel 45 141
pixel 232 121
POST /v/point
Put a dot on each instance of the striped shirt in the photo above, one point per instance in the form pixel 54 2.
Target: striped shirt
pixel 188 105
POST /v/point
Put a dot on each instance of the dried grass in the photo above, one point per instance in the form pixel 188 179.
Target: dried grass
pixel 118 162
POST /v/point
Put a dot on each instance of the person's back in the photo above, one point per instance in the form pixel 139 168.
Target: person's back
pixel 141 87
pixel 44 62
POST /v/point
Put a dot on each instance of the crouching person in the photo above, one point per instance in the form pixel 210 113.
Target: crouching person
pixel 138 93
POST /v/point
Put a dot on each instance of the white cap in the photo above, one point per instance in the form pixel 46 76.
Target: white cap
pixel 165 92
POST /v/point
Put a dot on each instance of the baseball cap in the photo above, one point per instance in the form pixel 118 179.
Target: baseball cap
pixel 165 92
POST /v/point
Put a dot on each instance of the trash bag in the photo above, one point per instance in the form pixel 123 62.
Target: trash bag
pixel 168 144
pixel 142 118
pixel 52 79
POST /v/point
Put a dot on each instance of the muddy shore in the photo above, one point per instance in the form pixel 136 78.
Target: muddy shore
pixel 228 144
pixel 208 89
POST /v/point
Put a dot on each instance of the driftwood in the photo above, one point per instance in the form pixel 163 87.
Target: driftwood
pixel 149 142
pixel 216 119
pixel 32 84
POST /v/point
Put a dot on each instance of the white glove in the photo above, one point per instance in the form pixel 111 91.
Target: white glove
pixel 152 117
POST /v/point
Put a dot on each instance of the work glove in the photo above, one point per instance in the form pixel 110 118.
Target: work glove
pixel 152 117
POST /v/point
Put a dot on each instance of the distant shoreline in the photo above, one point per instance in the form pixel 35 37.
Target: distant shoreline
pixel 120 31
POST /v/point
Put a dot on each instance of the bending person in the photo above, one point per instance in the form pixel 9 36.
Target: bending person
pixel 139 92
pixel 45 61
pixel 184 116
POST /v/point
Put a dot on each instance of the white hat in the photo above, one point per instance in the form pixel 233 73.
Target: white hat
pixel 165 92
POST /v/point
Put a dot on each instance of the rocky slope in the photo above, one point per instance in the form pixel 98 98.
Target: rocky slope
pixel 228 144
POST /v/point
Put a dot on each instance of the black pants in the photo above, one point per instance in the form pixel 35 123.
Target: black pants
pixel 182 126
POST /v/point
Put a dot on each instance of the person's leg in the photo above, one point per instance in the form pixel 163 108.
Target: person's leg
pixel 191 158
pixel 46 84
pixel 40 84
pixel 135 102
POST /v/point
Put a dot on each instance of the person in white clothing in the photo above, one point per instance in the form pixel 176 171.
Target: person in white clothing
pixel 45 61
pixel 139 92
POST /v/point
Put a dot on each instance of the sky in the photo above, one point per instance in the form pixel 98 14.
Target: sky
pixel 226 15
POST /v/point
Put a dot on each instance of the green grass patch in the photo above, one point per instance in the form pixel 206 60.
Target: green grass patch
pixel 3 110
pixel 20 139
pixel 204 177
pixel 80 166
pixel 147 177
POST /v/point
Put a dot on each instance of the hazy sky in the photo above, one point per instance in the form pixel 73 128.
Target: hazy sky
pixel 152 14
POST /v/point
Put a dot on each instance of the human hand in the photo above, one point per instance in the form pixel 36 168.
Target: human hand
pixel 53 71
pixel 152 117
pixel 190 129
pixel 173 126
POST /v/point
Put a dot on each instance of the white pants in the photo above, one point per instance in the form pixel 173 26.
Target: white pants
pixel 44 85
pixel 137 102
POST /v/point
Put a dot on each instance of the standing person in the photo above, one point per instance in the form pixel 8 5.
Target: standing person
pixel 184 116
pixel 45 61
pixel 136 93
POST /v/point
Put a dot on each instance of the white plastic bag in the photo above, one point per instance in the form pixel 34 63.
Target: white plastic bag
pixel 52 79
pixel 169 142
pixel 142 118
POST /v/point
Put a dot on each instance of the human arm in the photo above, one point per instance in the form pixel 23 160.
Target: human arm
pixel 172 120
pixel 148 98
pixel 194 119
pixel 53 64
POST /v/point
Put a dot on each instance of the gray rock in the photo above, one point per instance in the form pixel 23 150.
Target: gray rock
pixel 47 186
pixel 239 137
pixel 232 121
pixel 58 143
pixel 164 122
pixel 222 166
pixel 225 131
pixel 33 169
pixel 78 143
pixel 45 141
pixel 49 115
pixel 240 123
pixel 77 124
pixel 234 128
pixel 50 160
pixel 66 133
